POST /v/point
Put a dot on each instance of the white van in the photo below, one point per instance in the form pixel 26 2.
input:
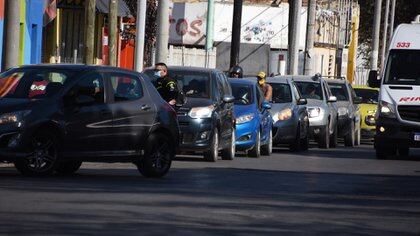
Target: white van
pixel 398 116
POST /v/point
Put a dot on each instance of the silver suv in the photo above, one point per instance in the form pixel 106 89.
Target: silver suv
pixel 322 109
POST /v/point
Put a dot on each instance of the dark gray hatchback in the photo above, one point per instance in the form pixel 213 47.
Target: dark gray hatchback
pixel 206 120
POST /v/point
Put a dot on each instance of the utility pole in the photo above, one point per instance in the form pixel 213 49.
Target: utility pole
pixel 209 30
pixel 113 31
pixel 385 34
pixel 391 24
pixel 375 38
pixel 236 33
pixel 12 34
pixel 294 28
pixel 163 31
pixel 140 34
pixel 310 37
pixel 90 31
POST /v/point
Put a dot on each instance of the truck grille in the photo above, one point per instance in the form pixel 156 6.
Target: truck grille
pixel 409 113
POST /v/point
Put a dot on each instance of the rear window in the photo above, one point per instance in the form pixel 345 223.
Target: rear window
pixel 310 90
pixel 24 83
pixel 242 93
pixel 281 93
pixel 339 91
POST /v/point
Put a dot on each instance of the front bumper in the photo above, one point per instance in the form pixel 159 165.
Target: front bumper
pixel 316 131
pixel 196 134
pixel 368 133
pixel 246 135
pixel 12 142
pixel 284 132
pixel 395 133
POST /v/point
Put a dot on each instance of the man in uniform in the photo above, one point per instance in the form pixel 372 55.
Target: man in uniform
pixel 266 88
pixel 236 72
pixel 166 86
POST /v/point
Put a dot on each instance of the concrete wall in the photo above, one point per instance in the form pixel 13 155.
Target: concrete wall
pixel 181 56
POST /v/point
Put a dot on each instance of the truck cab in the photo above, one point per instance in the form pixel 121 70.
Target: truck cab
pixel 398 116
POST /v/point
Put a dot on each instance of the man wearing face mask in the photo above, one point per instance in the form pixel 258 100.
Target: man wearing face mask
pixel 266 88
pixel 166 86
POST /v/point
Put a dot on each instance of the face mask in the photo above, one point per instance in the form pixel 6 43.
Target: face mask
pixel 158 73
pixel 261 81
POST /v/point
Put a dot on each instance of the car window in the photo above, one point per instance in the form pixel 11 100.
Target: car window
pixel 327 90
pixel 295 91
pixel 92 86
pixel 242 93
pixel 126 87
pixel 310 90
pixel 340 91
pixel 281 93
pixel 368 95
pixel 225 84
pixel 24 83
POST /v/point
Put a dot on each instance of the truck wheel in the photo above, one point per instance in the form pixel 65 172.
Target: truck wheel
pixel 68 167
pixel 349 139
pixel 213 153
pixel 256 150
pixel 268 148
pixel 229 152
pixel 324 137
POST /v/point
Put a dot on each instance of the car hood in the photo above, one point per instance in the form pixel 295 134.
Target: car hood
pixel 197 102
pixel 343 104
pixel 277 107
pixel 12 104
pixel 240 110
pixel 315 103
pixel 401 95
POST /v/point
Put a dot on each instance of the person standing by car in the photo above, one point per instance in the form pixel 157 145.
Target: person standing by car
pixel 266 88
pixel 165 85
pixel 236 72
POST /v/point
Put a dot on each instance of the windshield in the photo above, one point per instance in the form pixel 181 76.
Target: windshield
pixel 242 94
pixel 403 67
pixel 310 90
pixel 26 83
pixel 281 93
pixel 340 91
pixel 193 83
pixel 368 95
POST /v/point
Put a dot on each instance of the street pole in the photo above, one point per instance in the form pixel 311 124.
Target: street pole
pixel 90 31
pixel 236 33
pixel 293 47
pixel 375 38
pixel 310 37
pixel 163 31
pixel 12 34
pixel 112 32
pixel 391 24
pixel 385 34
pixel 209 31
pixel 140 34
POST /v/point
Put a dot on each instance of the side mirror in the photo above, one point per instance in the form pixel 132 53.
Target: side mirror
pixel 228 99
pixel 373 80
pixel 302 101
pixel 357 100
pixel 84 100
pixel 266 105
pixel 332 99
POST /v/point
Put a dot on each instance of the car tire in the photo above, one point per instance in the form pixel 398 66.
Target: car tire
pixel 267 149
pixel 68 167
pixel 158 156
pixel 256 150
pixel 44 156
pixel 383 152
pixel 213 153
pixel 229 152
pixel 334 138
pixel 304 142
pixel 404 152
pixel 296 146
pixel 324 137
pixel 350 138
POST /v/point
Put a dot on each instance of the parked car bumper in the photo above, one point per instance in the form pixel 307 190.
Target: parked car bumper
pixel 246 135
pixel 392 133
pixel 195 134
pixel 12 142
pixel 284 132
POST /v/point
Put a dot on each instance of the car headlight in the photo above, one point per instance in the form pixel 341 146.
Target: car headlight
pixel 13 117
pixel 370 120
pixel 285 114
pixel 314 112
pixel 244 119
pixel 342 111
pixel 387 109
pixel 201 112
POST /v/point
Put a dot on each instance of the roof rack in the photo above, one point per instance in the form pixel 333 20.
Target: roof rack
pixel 334 77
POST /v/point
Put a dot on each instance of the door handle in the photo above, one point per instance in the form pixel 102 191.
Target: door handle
pixel 145 107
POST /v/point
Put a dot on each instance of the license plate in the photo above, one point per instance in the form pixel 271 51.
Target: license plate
pixel 417 137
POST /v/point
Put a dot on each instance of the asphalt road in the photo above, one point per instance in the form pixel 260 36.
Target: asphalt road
pixel 320 192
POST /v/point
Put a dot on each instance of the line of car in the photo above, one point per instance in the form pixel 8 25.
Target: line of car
pixel 54 117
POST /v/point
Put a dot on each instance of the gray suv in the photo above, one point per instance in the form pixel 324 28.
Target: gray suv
pixel 322 109
pixel 348 111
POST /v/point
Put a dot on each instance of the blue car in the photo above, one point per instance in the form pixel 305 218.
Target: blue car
pixel 253 120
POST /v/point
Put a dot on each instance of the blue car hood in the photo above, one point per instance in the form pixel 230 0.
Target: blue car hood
pixel 240 110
